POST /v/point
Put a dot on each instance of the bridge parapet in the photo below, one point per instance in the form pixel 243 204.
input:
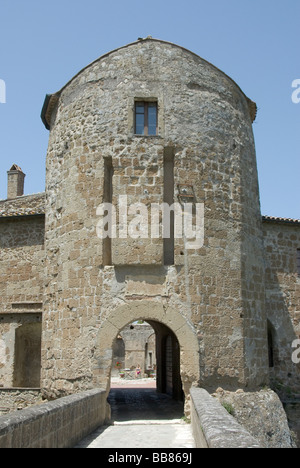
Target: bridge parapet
pixel 57 424
pixel 214 427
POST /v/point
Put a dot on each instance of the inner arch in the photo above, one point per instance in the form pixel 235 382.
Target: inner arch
pixel 166 321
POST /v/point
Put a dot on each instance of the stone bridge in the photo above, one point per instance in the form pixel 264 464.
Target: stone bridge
pixel 68 421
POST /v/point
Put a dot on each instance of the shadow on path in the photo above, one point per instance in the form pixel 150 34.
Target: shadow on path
pixel 134 404
pixel 142 418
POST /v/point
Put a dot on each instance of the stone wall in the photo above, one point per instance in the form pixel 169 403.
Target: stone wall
pixel 13 399
pixel 292 410
pixel 21 263
pixel 132 347
pixel 20 349
pixel 136 337
pixel 21 291
pixel 281 240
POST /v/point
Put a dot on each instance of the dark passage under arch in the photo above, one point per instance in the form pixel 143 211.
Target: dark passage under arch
pixel 168 361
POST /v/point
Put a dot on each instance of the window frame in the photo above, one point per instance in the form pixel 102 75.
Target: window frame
pixel 146 116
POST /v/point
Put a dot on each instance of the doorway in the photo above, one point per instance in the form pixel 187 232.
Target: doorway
pixel 27 365
pixel 145 381
pixel 145 352
pixel 165 321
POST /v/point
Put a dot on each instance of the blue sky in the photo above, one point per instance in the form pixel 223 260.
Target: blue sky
pixel 256 42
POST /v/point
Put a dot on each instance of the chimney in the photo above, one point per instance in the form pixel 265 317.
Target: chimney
pixel 15 182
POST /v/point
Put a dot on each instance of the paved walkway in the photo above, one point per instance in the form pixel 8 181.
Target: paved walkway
pixel 142 418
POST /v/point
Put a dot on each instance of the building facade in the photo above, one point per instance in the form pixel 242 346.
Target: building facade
pixel 147 126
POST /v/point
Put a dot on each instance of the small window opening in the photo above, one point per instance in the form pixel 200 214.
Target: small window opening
pixel 145 118
pixel 150 359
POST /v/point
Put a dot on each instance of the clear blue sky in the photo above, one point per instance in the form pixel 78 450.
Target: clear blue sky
pixel 256 42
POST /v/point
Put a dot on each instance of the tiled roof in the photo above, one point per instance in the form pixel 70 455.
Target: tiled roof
pixel 274 219
pixel 17 213
pixel 29 205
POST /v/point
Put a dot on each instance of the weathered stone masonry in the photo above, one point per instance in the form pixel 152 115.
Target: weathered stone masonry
pixel 282 240
pixel 22 255
pixel 205 124
pixel 215 305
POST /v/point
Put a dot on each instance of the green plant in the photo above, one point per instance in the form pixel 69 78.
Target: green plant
pixel 186 419
pixel 229 408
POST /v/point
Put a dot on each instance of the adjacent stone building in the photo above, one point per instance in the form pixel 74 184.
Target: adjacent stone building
pixel 135 348
pixel 147 124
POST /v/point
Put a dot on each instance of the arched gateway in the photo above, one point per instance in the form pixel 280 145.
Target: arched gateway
pixel 171 328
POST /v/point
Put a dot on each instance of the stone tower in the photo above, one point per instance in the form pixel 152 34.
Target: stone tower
pixel 146 124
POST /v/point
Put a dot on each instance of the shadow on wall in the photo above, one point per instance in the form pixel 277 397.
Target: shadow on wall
pixel 281 291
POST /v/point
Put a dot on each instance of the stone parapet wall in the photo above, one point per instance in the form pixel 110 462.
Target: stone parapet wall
pixel 58 424
pixel 213 427
pixel 261 413
pixel 239 420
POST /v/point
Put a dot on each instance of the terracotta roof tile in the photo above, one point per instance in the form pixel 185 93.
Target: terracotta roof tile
pixel 280 220
pixel 29 205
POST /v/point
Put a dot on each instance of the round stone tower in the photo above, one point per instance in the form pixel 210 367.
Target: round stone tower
pixel 145 127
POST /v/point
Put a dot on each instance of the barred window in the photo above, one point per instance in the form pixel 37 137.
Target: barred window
pixel 298 262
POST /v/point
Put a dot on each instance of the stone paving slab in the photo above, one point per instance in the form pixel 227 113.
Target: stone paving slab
pixel 141 436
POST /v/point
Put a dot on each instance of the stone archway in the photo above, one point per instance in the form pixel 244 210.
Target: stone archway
pixel 160 318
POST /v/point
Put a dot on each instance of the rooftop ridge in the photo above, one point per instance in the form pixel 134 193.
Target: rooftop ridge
pixel 277 219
